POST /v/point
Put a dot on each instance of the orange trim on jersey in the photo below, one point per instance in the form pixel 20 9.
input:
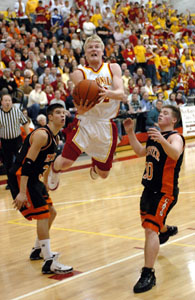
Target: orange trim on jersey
pixel 84 75
pixel 110 71
pixel 43 148
pixel 74 141
pixel 96 72
pixel 38 213
pixel 168 176
pixel 157 222
pixel 151 226
pixel 19 171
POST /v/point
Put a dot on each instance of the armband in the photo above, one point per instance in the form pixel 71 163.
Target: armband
pixel 27 167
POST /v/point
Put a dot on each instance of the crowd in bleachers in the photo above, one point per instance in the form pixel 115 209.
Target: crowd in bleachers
pixel 41 43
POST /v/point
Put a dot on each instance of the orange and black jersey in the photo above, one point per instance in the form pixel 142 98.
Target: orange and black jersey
pixel 45 156
pixel 161 172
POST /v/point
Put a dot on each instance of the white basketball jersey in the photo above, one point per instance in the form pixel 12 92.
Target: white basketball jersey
pixel 109 108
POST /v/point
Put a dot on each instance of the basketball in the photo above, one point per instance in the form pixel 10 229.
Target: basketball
pixel 86 90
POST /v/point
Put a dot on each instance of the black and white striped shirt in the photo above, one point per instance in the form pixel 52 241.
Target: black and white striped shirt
pixel 10 123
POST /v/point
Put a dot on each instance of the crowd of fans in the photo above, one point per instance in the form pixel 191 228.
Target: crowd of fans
pixel 42 43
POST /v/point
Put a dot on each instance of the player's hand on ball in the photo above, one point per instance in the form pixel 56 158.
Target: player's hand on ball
pixel 83 107
pixel 103 94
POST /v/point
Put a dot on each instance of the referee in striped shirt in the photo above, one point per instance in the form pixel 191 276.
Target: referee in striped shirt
pixel 11 118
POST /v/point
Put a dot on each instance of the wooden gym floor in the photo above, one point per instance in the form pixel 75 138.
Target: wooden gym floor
pixel 98 232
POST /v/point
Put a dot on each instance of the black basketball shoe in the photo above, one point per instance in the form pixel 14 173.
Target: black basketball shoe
pixel 146 282
pixel 164 236
pixel 52 266
pixel 36 254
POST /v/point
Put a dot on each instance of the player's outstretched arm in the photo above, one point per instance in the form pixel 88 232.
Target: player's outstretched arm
pixel 76 76
pixel 136 145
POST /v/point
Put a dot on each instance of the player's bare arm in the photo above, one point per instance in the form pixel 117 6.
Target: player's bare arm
pixel 26 128
pixel 76 77
pixel 39 140
pixel 118 89
pixel 173 146
pixel 136 145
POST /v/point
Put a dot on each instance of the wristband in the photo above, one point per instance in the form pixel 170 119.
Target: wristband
pixel 28 167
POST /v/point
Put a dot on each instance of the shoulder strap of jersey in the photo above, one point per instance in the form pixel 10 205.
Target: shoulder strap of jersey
pixel 50 136
pixel 83 72
pixel 167 134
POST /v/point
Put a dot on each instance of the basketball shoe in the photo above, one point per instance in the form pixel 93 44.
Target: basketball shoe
pixel 93 173
pixel 51 266
pixel 53 179
pixel 36 254
pixel 146 282
pixel 164 236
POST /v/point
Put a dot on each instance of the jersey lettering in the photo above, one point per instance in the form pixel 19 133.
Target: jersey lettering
pixel 148 171
pixel 103 81
pixel 164 206
pixel 154 152
pixel 50 157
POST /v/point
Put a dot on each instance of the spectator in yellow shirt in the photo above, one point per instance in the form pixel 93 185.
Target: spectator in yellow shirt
pixel 149 3
pixel 174 28
pixel 154 18
pixel 157 62
pixel 184 54
pixel 189 63
pixel 31 5
pixel 96 17
pixel 162 20
pixel 164 61
pixel 140 51
pixel 174 17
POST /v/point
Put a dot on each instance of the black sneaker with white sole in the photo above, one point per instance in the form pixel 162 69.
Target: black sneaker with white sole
pixel 51 266
pixel 164 236
pixel 146 281
pixel 36 254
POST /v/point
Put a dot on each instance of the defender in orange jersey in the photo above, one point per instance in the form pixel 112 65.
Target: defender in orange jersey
pixel 30 194
pixel 164 154
pixel 93 132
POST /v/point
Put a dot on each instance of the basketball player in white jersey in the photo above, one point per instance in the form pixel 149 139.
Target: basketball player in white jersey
pixel 93 130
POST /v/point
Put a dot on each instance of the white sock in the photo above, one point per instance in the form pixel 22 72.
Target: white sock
pixel 37 245
pixel 45 248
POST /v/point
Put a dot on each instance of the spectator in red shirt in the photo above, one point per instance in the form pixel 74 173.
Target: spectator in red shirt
pixel 19 64
pixel 191 81
pixel 7 57
pixel 132 13
pixel 133 38
pixel 150 65
pixel 49 93
pixel 82 17
pixel 58 80
pixel 41 20
pixel 129 57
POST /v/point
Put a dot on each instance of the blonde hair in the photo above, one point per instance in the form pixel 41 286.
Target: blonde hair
pixel 93 38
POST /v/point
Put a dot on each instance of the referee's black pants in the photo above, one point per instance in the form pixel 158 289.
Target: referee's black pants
pixel 10 148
